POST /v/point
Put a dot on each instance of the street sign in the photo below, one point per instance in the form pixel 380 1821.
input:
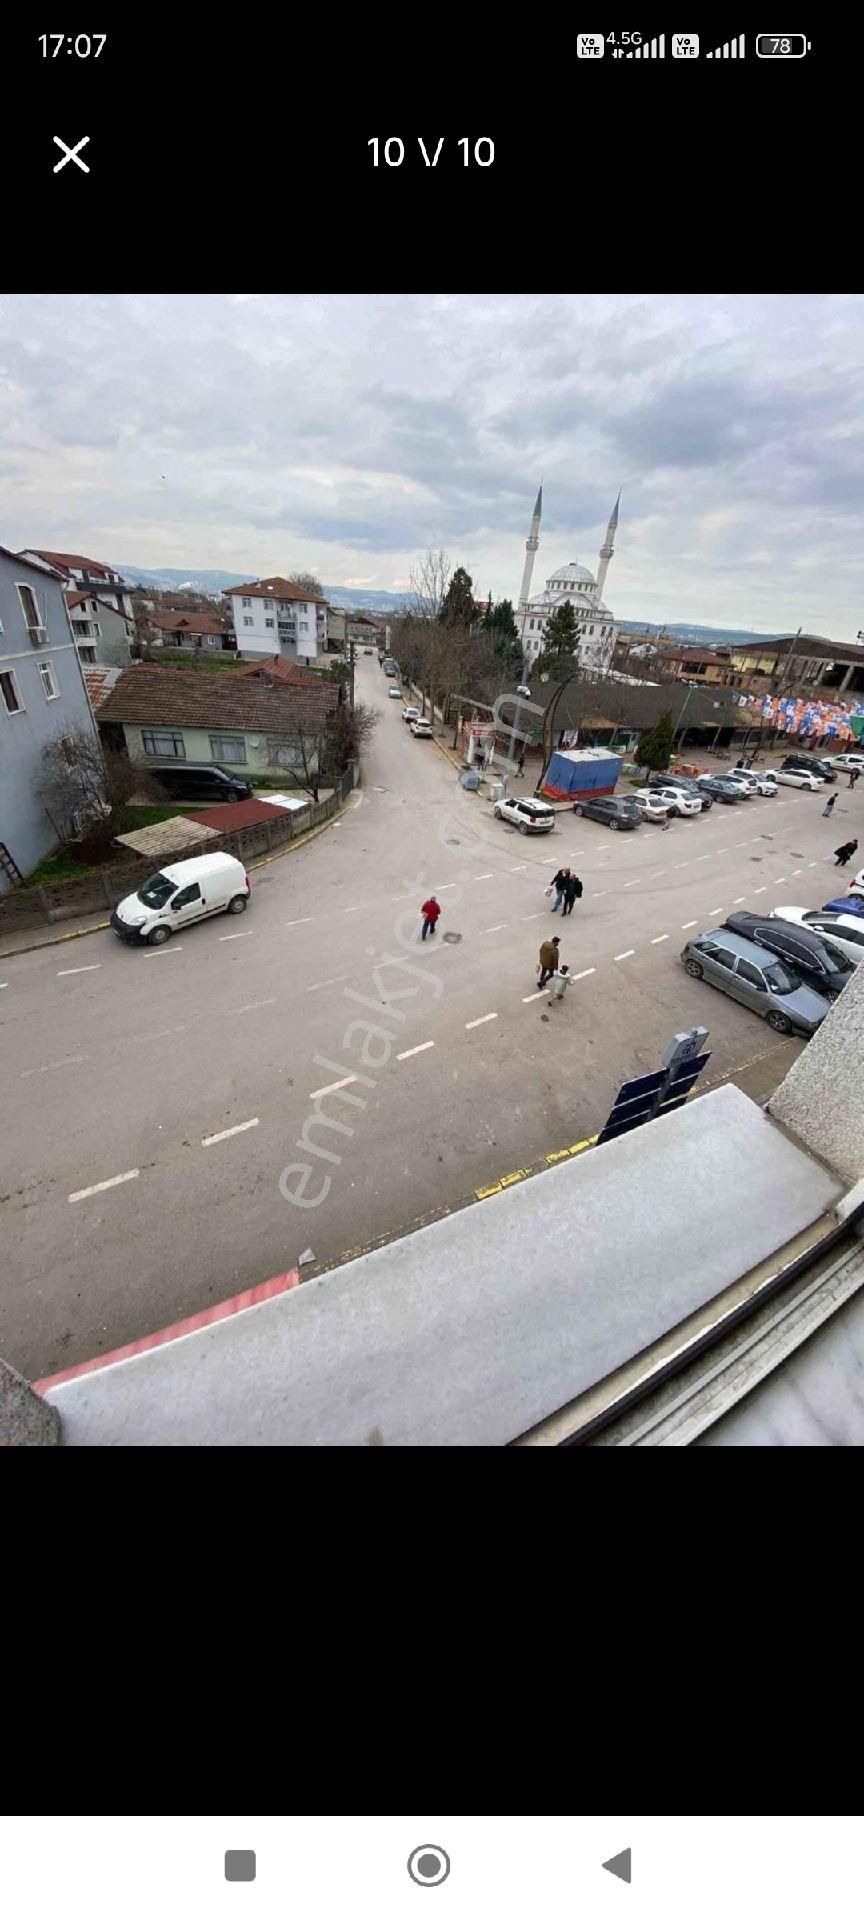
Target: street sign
pixel 640 1100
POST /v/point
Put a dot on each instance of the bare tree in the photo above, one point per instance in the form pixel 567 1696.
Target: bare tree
pixel 85 790
pixel 309 582
pixel 350 730
pixel 429 581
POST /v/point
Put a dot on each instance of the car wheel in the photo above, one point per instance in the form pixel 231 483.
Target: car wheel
pixel 522 827
pixel 578 809
pixel 158 937
pixel 498 814
pixel 779 1022
pixel 613 826
pixel 693 968
pixel 239 903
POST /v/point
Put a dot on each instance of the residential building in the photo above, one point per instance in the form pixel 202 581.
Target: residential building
pixel 695 663
pixel 276 617
pixel 206 632
pixel 262 721
pixel 363 628
pixel 87 576
pixel 103 635
pixel 799 662
pixel 42 698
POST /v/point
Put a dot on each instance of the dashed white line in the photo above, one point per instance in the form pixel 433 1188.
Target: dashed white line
pixel 533 996
pixel 812 863
pixel 530 916
pixel 161 1035
pixel 713 912
pixel 521 869
pixel 333 1087
pixel 235 936
pixel 656 876
pixel 703 856
pixel 158 953
pixel 85 1193
pixel 721 849
pixel 627 954
pixel 742 843
pixel 584 974
pixel 252 1006
pixel 327 983
pixel 410 1051
pixel 447 887
pixel 633 883
pixel 484 876
pixel 761 889
pixel 210 1139
pixel 601 895
pixel 496 929
pixel 782 881
pixel 300 923
pixel 65 971
pixel 658 937
pixel 737 902
pixel 481 1022
pixel 401 896
pixel 549 860
pixel 53 1066
pixel 361 903
pixel 3 983
pixel 797 871
pixel 688 923
pixel 680 864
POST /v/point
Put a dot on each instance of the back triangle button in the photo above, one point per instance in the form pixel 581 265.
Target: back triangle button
pixel 621 1865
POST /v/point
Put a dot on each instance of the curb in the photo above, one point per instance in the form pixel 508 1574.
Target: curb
pixel 59 939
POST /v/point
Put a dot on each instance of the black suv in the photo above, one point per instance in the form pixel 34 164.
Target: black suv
pixel 807 763
pixel 185 781
pixel 820 966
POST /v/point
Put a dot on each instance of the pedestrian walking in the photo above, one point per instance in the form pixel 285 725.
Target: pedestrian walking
pixel 558 886
pixel 560 981
pixel 572 892
pixel 548 961
pixel 854 778
pixel 520 765
pixel 430 911
pixel 844 853
pixel 829 806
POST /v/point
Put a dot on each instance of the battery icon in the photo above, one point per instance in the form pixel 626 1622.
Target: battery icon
pixel 782 46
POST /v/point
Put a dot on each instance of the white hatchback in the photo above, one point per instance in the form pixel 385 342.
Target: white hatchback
pixel 410 713
pixel 796 777
pixel 687 805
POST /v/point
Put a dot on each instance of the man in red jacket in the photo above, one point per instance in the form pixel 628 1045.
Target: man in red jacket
pixel 430 911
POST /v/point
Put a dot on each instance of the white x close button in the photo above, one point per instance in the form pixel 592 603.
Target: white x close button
pixel 71 153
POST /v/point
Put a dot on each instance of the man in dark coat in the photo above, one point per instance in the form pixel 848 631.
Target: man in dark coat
pixel 572 892
pixel 560 885
pixel 845 852
pixel 548 960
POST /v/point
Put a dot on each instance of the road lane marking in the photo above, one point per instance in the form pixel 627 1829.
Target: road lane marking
pixel 333 1087
pixel 680 864
pixel 410 1051
pixel 633 883
pixel 530 916
pixel 65 971
pixel 3 983
pixel 533 996
pixel 584 974
pixel 496 929
pixel 158 953
pixel 86 1193
pixel 688 923
pixel 798 870
pixel 447 887
pixel 713 912
pixel 702 856
pixel 742 843
pixel 781 882
pixel 299 923
pixel 361 903
pixel 721 849
pixel 252 1006
pixel 627 954
pixel 812 863
pixel 236 936
pixel 397 897
pixel 761 889
pixel 484 876
pixel 481 1022
pixel 521 869
pixel 210 1139
pixel 741 896
pixel 658 937
pixel 549 860
pixel 656 876
pixel 53 1066
pixel 601 895
pixel 316 988
pixel 161 1035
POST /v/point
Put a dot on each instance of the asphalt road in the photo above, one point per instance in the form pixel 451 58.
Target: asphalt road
pixel 185 1074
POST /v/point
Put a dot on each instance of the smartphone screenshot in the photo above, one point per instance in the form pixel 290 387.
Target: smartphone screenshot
pixel 431 799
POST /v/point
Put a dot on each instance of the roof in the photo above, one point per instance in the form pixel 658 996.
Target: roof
pixel 154 696
pixel 77 599
pixel 99 681
pixel 288 672
pixel 77 562
pixel 177 620
pixel 804 646
pixel 573 573
pixel 166 837
pixel 276 588
pixel 237 814
pixel 8 554
pixel 696 654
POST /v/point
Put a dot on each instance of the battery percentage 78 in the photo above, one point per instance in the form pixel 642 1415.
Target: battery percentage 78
pixel 782 46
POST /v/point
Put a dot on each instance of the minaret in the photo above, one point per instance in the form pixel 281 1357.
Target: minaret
pixel 607 549
pixel 531 545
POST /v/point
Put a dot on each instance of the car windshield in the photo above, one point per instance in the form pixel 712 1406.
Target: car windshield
pixel 156 891
pixel 778 979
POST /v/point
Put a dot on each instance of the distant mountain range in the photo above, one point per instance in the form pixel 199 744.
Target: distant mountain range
pixel 213 580
pixel 695 636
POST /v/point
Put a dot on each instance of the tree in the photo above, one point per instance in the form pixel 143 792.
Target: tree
pixel 428 582
pixel 560 640
pixel 499 622
pixel 655 745
pixel 309 582
pixel 85 791
pixel 457 606
pixel 350 730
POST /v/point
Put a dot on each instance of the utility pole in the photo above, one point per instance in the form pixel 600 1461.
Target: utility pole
pixel 351 646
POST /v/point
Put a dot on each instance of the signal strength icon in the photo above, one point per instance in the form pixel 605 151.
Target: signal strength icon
pixel 650 50
pixel 730 50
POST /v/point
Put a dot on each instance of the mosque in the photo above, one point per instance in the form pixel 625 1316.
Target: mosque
pixel 573 585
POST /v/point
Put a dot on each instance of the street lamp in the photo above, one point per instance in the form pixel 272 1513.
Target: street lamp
pixel 548 719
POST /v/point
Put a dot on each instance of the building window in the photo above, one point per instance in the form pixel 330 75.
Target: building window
pixel 87 656
pixel 248 620
pixel 269 623
pixel 29 606
pixel 230 747
pixel 11 697
pixel 268 606
pixel 49 684
pixel 245 603
pixel 163 745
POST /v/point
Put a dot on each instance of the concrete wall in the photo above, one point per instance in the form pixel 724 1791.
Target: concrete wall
pixel 198 748
pixel 24 824
pixel 822 1096
pixel 112 642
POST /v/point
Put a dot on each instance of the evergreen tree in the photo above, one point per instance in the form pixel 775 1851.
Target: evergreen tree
pixel 457 606
pixel 560 641
pixel 500 622
pixel 655 745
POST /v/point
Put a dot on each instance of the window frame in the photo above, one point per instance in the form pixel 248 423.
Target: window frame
pixel 33 626
pixel 163 733
pixel 8 673
pixel 46 675
pixel 219 743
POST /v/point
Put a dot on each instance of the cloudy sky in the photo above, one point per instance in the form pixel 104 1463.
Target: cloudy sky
pixel 346 434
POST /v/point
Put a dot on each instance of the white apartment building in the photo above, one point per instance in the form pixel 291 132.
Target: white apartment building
pixel 275 617
pixel 86 576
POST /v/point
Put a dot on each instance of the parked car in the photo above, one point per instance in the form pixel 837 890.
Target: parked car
pixel 717 785
pixel 530 816
pixel 801 950
pixel 808 763
pixel 846 762
pixel 845 931
pixel 848 903
pixel 394 693
pixel 621 814
pixel 651 806
pixel 185 780
pixel 187 890
pixel 422 729
pixel 750 974
pixel 678 800
pixel 766 784
pixel 857 880
pixel 410 713
pixel 798 777
pixel 746 787
pixel 368 649
pixel 660 780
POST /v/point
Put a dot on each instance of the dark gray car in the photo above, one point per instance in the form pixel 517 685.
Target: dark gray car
pixel 610 811
pixel 755 977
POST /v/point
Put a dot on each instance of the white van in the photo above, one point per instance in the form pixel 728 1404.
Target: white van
pixel 186 891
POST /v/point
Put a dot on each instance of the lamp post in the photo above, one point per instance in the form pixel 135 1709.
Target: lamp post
pixel 548 719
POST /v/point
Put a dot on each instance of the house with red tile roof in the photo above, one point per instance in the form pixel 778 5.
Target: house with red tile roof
pixel 204 632
pixel 92 576
pixel 276 618
pixel 255 726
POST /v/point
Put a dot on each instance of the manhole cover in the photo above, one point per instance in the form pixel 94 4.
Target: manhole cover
pixel 452 939
pixel 452 843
